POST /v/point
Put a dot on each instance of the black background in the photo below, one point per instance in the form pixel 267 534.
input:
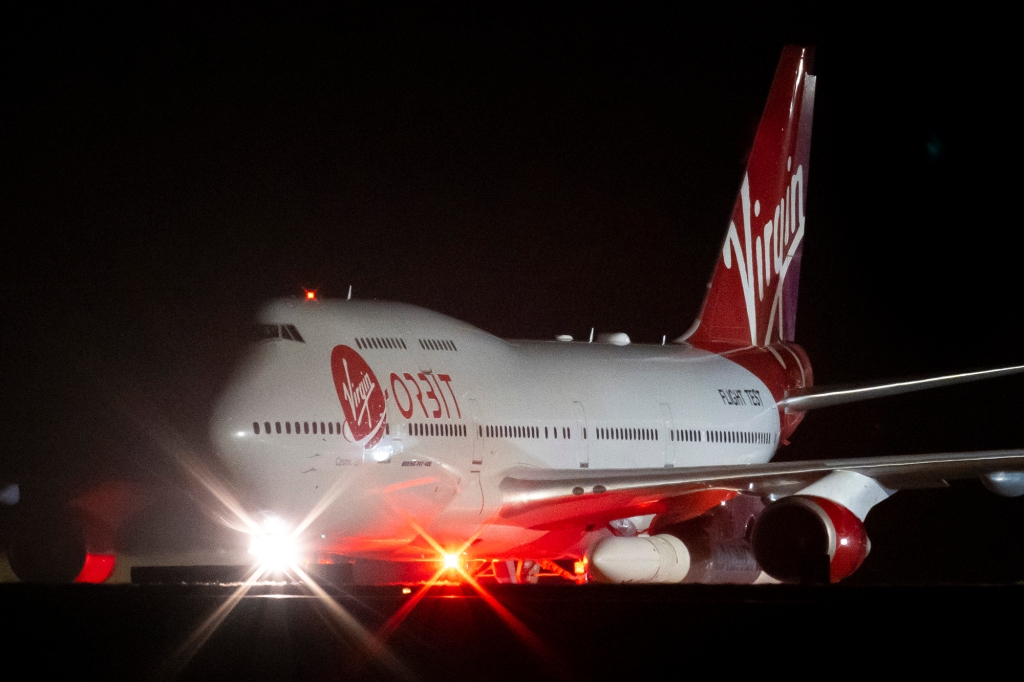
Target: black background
pixel 531 171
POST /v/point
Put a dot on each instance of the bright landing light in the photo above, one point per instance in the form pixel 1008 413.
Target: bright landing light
pixel 273 546
pixel 451 560
pixel 274 551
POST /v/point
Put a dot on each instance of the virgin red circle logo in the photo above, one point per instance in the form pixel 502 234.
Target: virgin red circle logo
pixel 361 395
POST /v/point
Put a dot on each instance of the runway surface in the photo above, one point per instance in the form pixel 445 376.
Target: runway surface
pixel 293 631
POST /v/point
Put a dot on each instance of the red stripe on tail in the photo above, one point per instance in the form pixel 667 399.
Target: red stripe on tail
pixel 752 296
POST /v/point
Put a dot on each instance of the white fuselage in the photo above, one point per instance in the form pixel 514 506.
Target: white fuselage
pixel 424 415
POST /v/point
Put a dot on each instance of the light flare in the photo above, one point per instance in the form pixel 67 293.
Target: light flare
pixel 519 629
pixel 451 561
pixel 326 500
pixel 277 551
pixel 399 616
pixel 227 509
pixel 197 638
pixel 372 647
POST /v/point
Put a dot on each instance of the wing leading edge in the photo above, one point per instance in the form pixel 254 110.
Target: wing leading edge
pixel 544 498
pixel 827 396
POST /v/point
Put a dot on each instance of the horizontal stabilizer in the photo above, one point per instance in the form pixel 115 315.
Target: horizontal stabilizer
pixel 827 396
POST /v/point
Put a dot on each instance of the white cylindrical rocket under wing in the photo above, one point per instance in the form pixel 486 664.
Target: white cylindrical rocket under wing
pixel 655 559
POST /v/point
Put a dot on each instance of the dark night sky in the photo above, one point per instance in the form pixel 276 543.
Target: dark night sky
pixel 533 174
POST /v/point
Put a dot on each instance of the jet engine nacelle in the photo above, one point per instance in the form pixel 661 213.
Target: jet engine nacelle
pixel 1005 483
pixel 805 538
pixel 47 547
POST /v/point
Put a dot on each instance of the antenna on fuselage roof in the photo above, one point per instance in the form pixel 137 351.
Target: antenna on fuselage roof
pixel 591 335
pixel 349 297
pixel 663 337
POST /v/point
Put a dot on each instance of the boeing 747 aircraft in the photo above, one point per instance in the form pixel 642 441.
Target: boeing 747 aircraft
pixel 379 430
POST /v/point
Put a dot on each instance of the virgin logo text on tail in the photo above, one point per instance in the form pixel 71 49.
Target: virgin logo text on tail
pixel 767 256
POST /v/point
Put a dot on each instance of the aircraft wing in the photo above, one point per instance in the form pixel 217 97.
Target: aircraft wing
pixel 548 499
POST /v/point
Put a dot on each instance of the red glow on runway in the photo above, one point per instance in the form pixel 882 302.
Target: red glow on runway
pixel 400 615
pixel 514 624
pixel 557 667
pixel 451 563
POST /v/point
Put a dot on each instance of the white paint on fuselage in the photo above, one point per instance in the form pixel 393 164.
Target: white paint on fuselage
pixel 555 388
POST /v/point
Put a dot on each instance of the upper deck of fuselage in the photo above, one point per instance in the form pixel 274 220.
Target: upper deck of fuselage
pixel 331 321
pixel 326 323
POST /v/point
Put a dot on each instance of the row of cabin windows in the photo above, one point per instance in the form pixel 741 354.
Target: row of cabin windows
pixel 437 344
pixel 262 332
pixel 302 428
pixel 436 429
pixel 626 434
pixel 380 342
pixel 532 432
pixel 509 431
pixel 602 433
pixel 744 437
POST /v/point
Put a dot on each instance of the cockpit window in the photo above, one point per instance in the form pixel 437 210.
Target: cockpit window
pixel 263 332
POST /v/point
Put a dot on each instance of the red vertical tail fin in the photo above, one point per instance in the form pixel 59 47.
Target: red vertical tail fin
pixel 752 296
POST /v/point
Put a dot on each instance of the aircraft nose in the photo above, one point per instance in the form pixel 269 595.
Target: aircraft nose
pixel 228 431
pixel 233 430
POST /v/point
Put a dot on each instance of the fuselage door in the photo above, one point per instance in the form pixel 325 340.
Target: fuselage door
pixel 580 434
pixel 476 435
pixel 668 440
